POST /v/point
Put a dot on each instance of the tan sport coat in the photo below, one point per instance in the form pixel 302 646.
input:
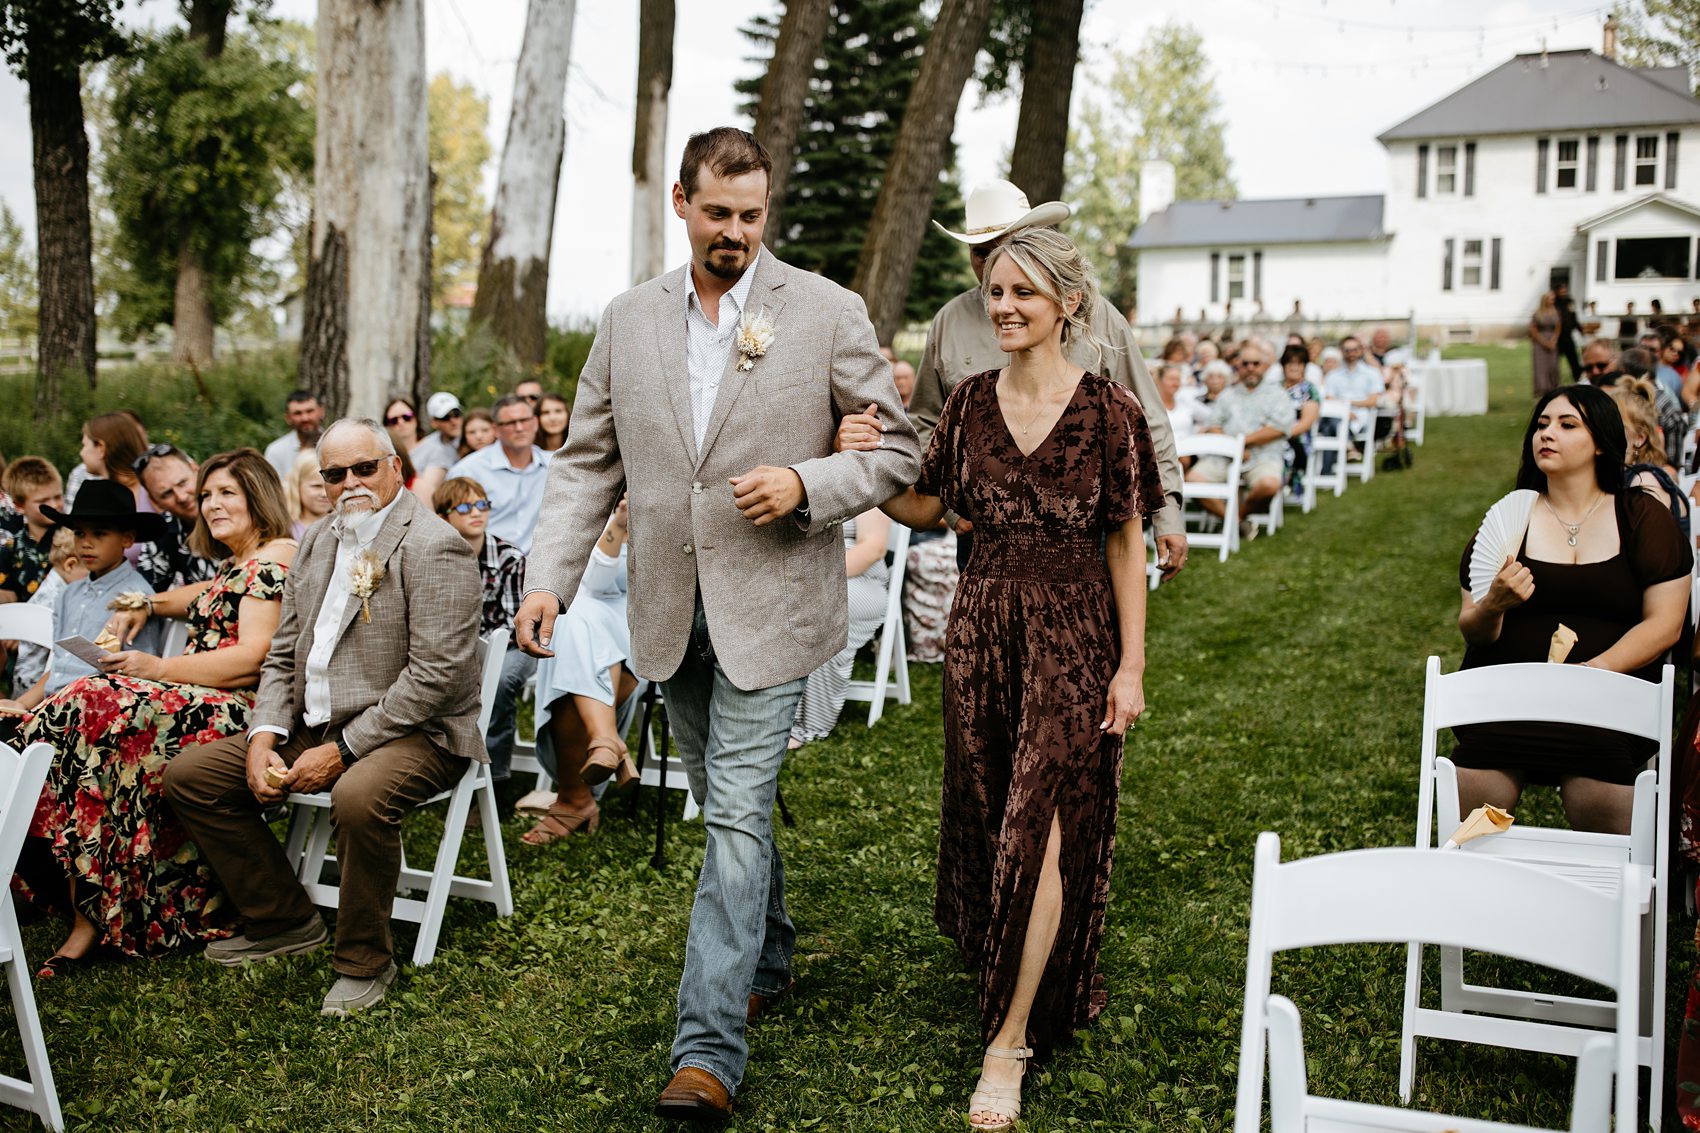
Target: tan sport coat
pixel 961 343
pixel 774 595
pixel 413 667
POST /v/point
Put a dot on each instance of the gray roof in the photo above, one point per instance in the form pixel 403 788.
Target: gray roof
pixel 1562 90
pixel 1295 220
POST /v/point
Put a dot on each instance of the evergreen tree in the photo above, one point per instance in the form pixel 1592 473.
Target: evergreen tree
pixel 851 116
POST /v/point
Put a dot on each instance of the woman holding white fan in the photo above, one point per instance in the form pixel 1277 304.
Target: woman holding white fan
pixel 1570 547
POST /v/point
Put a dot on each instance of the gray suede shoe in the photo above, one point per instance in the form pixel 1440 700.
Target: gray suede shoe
pixel 350 993
pixel 239 950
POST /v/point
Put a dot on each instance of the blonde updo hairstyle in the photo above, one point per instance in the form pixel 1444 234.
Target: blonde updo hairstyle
pixel 1634 398
pixel 1057 270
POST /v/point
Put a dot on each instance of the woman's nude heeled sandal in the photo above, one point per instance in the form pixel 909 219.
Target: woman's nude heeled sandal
pixel 605 756
pixel 1000 1100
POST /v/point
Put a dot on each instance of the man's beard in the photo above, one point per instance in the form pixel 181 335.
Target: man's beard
pixel 357 521
pixel 722 270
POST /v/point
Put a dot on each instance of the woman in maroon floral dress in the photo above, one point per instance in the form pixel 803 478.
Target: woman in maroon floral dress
pixel 1044 657
pixel 135 881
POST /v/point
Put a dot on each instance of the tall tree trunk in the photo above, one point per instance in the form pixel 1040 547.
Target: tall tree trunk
pixel 64 246
pixel 192 320
pixel 513 277
pixel 367 271
pixel 779 113
pixel 649 141
pixel 911 180
pixel 1047 85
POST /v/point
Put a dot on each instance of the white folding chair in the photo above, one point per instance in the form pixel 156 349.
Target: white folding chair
pixel 1227 540
pixel 1447 898
pixel 1270 521
pixel 20 621
pixel 1334 441
pixel 310 835
pixel 891 668
pixel 1364 467
pixel 21 779
pixel 1305 497
pixel 1576 695
pixel 173 637
pixel 1415 416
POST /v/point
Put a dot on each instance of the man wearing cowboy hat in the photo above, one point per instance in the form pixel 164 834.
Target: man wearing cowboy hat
pixel 960 343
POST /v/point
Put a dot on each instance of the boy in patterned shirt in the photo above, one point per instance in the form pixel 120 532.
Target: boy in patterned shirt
pixel 31 482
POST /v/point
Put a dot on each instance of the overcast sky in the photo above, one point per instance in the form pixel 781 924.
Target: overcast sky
pixel 1305 86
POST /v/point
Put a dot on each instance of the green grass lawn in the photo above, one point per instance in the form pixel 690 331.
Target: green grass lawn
pixel 1285 692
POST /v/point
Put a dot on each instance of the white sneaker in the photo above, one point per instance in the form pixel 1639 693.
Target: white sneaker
pixel 350 994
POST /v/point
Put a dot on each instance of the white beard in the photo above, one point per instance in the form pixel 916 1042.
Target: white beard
pixel 355 523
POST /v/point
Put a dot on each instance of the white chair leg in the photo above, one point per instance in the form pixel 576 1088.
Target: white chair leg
pixel 442 875
pixel 495 854
pixel 1407 1031
pixel 900 659
pixel 318 848
pixel 882 673
pixel 38 1094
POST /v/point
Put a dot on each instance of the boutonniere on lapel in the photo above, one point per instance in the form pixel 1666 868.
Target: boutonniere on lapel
pixel 364 574
pixel 755 335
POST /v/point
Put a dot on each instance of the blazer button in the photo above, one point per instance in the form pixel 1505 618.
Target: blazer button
pixel 687 548
pixel 696 486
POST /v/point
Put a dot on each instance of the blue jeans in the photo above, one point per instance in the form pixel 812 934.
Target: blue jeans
pixel 732 743
pixel 517 668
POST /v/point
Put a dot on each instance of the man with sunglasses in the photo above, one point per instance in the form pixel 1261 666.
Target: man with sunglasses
pixel 1261 414
pixel 305 414
pixel 512 471
pixel 369 690
pixel 436 454
pixel 169 475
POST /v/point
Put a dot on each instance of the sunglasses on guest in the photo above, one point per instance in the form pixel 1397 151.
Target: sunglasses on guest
pixel 1596 367
pixel 398 419
pixel 362 470
pixel 152 451
pixel 467 508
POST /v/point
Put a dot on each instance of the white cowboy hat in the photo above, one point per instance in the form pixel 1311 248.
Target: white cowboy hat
pixel 995 208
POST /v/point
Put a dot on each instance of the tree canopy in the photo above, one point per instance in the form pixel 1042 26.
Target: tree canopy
pixel 200 150
pixel 1159 102
pixel 1662 33
pixel 460 149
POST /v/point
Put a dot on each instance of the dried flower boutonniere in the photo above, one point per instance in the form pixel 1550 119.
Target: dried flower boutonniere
pixel 364 574
pixel 755 335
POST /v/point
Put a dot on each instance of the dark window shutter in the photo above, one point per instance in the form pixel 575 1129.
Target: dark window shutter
pixel 1493 267
pixel 1422 171
pixel 1446 269
pixel 1469 169
pixel 1593 162
pixel 1215 272
pixel 1602 251
pixel 1541 148
pixel 1620 174
pixel 1257 276
pixel 1670 160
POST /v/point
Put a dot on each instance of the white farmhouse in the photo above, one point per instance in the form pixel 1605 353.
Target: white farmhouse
pixel 1554 167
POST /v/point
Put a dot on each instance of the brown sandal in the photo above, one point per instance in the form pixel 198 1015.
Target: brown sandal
pixel 607 755
pixel 560 822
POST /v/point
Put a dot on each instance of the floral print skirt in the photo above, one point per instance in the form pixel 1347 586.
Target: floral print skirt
pixel 103 812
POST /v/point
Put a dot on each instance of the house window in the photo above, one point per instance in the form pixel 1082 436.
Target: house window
pixel 1236 278
pixel 1445 169
pixel 1470 264
pixel 1647 160
pixel 1566 168
pixel 1654 257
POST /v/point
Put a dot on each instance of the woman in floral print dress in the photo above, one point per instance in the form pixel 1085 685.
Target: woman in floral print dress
pixel 135 881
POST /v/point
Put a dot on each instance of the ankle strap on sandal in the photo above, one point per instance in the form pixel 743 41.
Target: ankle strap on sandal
pixel 1019 1052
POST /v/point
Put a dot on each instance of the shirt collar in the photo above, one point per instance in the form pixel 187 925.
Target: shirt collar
pixel 740 292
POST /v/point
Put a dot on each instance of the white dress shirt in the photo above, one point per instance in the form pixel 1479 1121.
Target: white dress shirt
pixel 316 709
pixel 708 346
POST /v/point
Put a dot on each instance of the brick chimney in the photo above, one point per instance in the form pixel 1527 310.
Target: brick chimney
pixel 1608 48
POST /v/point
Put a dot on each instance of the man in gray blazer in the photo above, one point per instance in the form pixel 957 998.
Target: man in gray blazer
pixel 370 689
pixel 711 396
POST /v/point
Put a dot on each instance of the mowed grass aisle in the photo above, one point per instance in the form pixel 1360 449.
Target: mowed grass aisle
pixel 1285 692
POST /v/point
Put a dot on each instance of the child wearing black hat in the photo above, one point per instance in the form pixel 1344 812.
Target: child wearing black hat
pixel 105 523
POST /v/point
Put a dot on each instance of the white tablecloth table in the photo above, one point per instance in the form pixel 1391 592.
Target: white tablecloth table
pixel 1452 388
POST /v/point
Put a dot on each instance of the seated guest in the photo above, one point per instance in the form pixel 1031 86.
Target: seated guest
pixel 580 689
pixel 1185 413
pixel 1216 377
pixel 32 483
pixel 553 413
pixel 305 414
pixel 511 471
pixel 501 569
pixel 1671 373
pixel 1645 464
pixel 370 690
pixel 170 478
pixel 65 568
pixel 112 442
pixel 1328 361
pixel 304 493
pixel 1610 564
pixel 1674 421
pixel 478 432
pixel 1261 413
pixel 1358 381
pixel 826 689
pixel 402 424
pixel 436 454
pixel 902 375
pixel 1393 405
pixel 106 524
pixel 1599 358
pixel 124 867
pixel 1307 407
